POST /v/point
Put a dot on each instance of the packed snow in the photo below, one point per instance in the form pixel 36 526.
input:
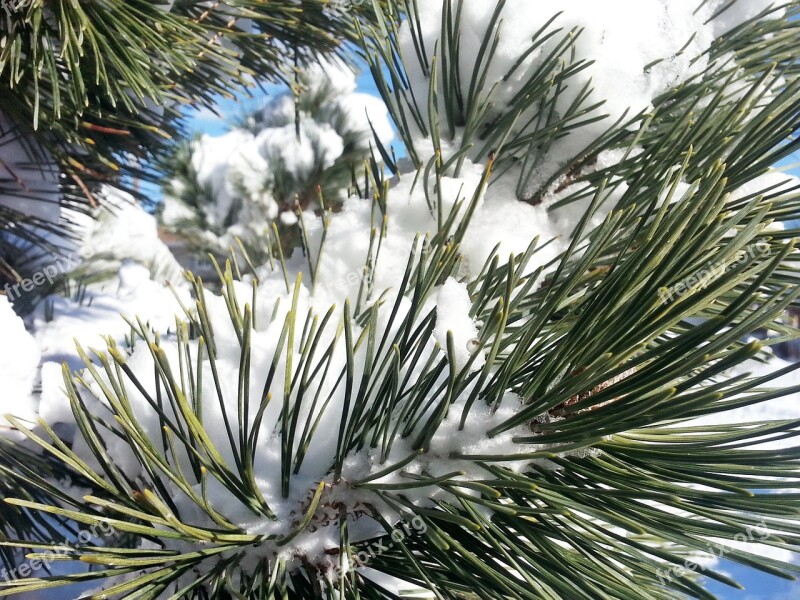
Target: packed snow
pixel 120 232
pixel 631 52
pixel 19 359
pixel 453 305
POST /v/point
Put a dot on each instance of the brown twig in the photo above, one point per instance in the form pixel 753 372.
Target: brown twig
pixel 562 410
pixel 16 177
pixel 104 129
pixel 84 189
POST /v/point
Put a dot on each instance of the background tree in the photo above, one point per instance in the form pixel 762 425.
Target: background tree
pixel 92 91
pixel 302 151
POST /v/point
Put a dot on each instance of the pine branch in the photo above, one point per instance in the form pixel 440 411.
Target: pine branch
pixel 96 89
pixel 588 475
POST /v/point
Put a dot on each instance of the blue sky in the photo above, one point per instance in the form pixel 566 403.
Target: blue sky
pixel 758 586
pixel 207 122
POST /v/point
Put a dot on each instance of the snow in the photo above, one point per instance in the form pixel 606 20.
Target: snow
pixel 453 305
pixel 743 11
pixel 252 174
pixel 772 183
pixel 210 160
pixel 123 231
pixel 19 359
pixel 632 53
pixel 340 275
pixel 88 319
pixel 318 144
pixel 347 238
pixel 397 587
pixel 122 244
pixel 361 265
pixel 91 321
pixel 53 406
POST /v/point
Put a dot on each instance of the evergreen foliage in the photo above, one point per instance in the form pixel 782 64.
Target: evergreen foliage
pixel 583 383
pixel 92 91
pixel 298 152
